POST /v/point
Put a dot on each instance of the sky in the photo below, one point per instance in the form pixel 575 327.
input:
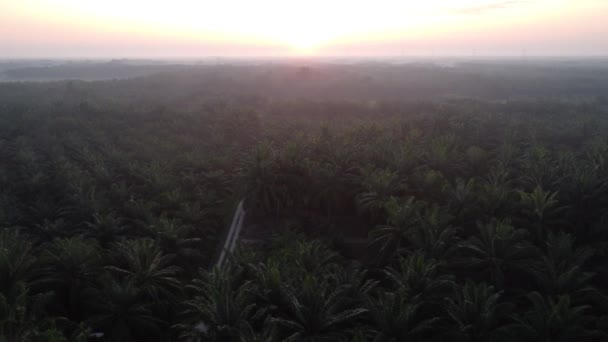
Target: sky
pixel 201 28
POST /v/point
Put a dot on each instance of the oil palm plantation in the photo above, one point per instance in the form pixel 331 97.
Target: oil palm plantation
pixel 498 250
pixel 221 307
pixel 73 266
pixel 121 312
pixel 314 312
pixel 142 263
pixel 476 312
pixel 395 317
pixel 403 215
pixel 420 279
pixel 556 319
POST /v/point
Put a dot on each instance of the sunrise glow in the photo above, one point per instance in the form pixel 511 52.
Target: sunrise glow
pixel 192 27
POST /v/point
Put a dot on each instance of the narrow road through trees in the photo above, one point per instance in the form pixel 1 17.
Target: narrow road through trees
pixel 233 234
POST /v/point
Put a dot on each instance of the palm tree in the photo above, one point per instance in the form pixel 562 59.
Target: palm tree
pixel 267 333
pixel 388 239
pixel 541 208
pixel 142 263
pixel 538 168
pixel 222 306
pixel 49 230
pixel 442 154
pixel 420 278
pixel 477 314
pixel 123 314
pixel 73 268
pixel 429 184
pixel 405 157
pixel 560 270
pixel 378 187
pixel 261 181
pixel 23 313
pixel 331 187
pixel 356 284
pixel 174 238
pixel 297 172
pixel 105 228
pixel 433 236
pixel 462 198
pixel 585 188
pixel 314 311
pixel 296 258
pixel 557 320
pixel 507 153
pixel 495 192
pixel 47 211
pixel 395 318
pixel 313 257
pixel 17 263
pixel 269 280
pixel 498 248
pixel 476 159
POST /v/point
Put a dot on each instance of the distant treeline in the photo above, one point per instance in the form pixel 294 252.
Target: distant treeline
pixel 574 82
pixel 87 71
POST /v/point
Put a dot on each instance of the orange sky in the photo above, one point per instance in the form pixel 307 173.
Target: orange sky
pixel 198 28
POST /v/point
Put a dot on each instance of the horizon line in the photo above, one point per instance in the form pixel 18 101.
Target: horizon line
pixel 237 57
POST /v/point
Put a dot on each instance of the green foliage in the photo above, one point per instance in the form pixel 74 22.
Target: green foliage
pixel 459 220
pixel 498 249
pixel 420 279
pixel 314 312
pixel 396 318
pixel 555 320
pixel 477 313
pixel 222 304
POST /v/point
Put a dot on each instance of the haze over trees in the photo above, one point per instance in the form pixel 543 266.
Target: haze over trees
pixel 384 203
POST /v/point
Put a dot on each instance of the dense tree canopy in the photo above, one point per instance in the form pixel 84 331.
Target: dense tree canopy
pixel 460 220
